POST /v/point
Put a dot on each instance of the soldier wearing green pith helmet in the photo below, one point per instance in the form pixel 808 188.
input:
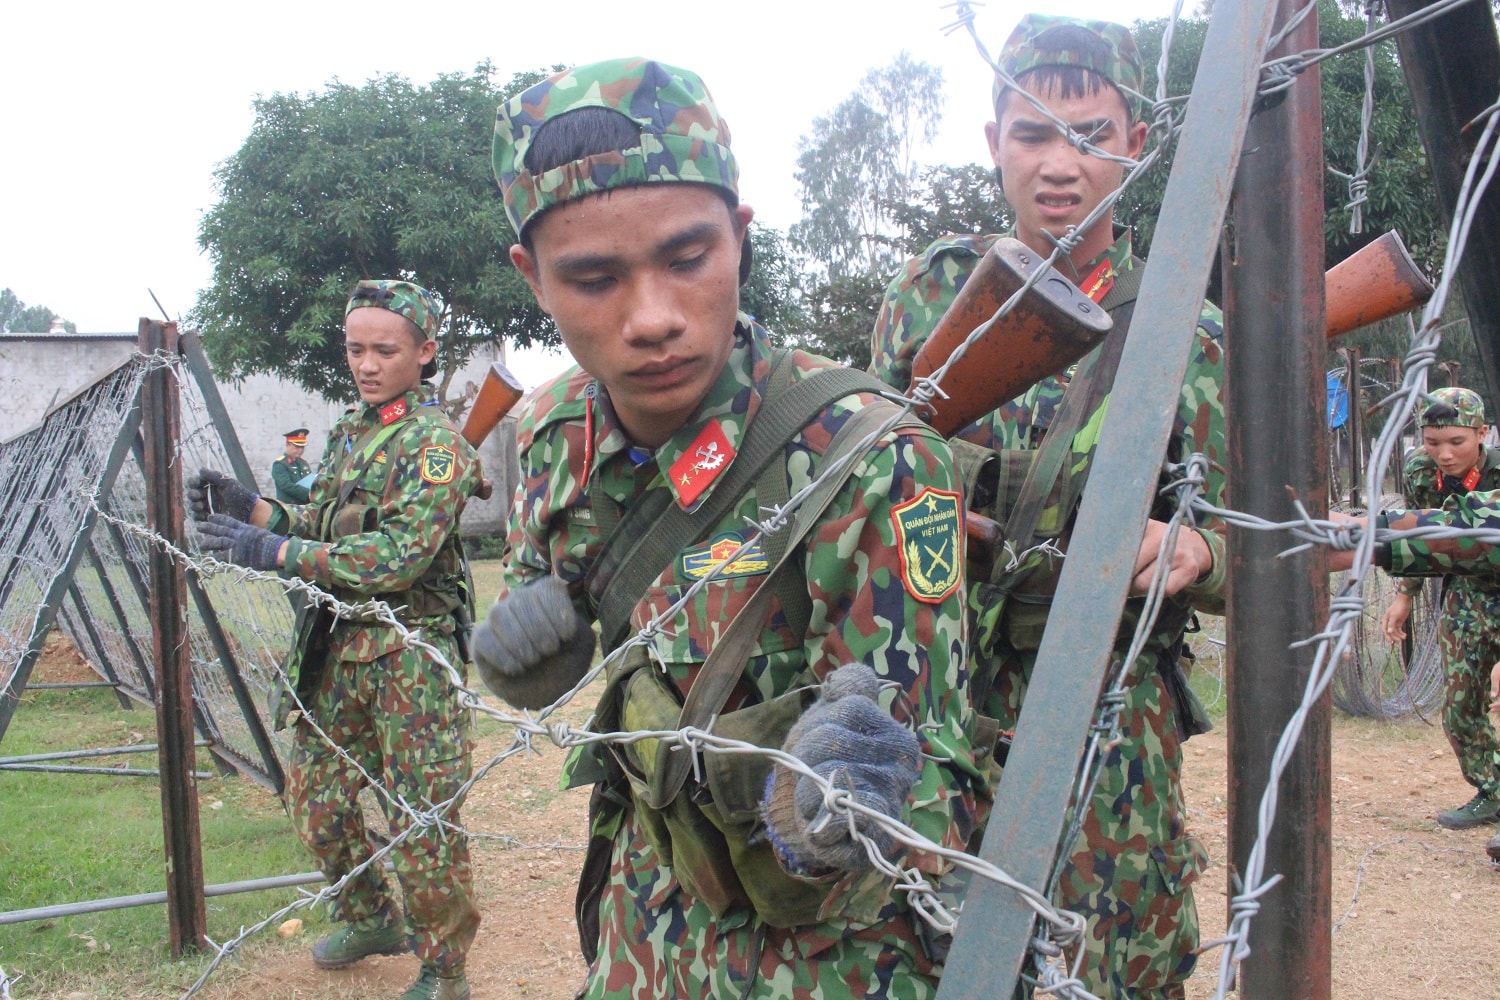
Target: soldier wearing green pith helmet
pixel 713 874
pixel 381 523
pixel 1131 868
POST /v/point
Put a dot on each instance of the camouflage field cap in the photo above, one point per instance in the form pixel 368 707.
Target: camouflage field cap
pixel 1452 407
pixel 683 138
pixel 1105 47
pixel 402 297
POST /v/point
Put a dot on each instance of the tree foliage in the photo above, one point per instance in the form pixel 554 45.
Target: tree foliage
pixel 1401 194
pixel 383 180
pixel 17 317
pixel 859 163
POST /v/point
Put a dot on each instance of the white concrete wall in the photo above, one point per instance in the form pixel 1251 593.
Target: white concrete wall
pixel 37 371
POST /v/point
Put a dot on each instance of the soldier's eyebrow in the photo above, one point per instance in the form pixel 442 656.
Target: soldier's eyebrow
pixel 568 265
pixel 1090 129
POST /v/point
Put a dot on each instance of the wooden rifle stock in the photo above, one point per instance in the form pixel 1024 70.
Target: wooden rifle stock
pixel 498 395
pixel 1377 281
pixel 1052 326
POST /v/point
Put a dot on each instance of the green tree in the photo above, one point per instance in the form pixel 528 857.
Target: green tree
pixel 948 200
pixel 17 317
pixel 859 162
pixel 772 293
pixel 1401 194
pixel 383 180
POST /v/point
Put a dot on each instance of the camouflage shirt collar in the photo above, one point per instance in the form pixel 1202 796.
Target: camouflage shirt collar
pixel 1119 255
pixel 423 395
pixel 731 402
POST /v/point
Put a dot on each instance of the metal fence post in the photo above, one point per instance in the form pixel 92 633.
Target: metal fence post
pixel 161 429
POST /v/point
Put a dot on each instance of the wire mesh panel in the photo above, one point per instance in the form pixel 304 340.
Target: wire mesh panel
pixel 54 488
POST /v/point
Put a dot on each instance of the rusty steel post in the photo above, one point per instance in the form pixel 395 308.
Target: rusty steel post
pixel 1357 431
pixel 1452 65
pixel 1275 354
pixel 161 429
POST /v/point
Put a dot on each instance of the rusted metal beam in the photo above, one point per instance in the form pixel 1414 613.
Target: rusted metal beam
pixel 161 430
pixel 1053 731
pixel 1275 355
pixel 1452 67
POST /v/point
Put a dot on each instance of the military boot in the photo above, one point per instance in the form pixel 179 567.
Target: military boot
pixel 431 986
pixel 1478 811
pixel 351 942
pixel 1493 847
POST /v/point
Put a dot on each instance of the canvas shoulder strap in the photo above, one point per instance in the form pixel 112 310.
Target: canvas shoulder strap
pixel 725 663
pixel 1096 375
pixel 638 550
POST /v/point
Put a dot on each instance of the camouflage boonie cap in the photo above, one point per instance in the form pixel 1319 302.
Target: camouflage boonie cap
pixel 1452 407
pixel 1105 47
pixel 683 138
pixel 402 297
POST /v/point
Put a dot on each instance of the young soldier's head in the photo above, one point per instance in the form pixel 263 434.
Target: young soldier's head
pixel 390 338
pixel 1084 73
pixel 621 186
pixel 296 442
pixel 1453 429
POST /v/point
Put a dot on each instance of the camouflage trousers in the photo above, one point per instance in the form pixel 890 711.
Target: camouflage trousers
pixel 397 718
pixel 1469 633
pixel 655 941
pixel 1130 871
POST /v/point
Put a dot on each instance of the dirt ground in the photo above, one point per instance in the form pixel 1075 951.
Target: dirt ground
pixel 1413 905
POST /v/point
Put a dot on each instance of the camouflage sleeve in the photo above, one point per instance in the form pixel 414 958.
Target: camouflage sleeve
pixel 1439 556
pixel 915 300
pixel 883 568
pixel 548 532
pixel 1418 489
pixel 1200 420
pixel 435 472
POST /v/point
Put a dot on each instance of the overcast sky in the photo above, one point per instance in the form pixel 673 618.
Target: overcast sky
pixel 116 114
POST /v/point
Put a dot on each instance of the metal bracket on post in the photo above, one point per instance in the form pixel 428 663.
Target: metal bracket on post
pixel 1052 734
pixel 162 427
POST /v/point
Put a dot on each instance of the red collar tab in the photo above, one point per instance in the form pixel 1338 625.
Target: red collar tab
pixel 393 411
pixel 700 464
pixel 1471 478
pixel 1099 281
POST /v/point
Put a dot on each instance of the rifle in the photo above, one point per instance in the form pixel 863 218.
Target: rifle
pixel 1377 281
pixel 500 393
pixel 1054 324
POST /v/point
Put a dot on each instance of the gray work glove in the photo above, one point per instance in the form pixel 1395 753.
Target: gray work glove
pixel 211 492
pixel 240 543
pixel 533 646
pixel 847 738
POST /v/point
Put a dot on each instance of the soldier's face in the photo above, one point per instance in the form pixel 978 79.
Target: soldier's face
pixel 384 355
pixel 1454 449
pixel 644 286
pixel 295 450
pixel 1049 184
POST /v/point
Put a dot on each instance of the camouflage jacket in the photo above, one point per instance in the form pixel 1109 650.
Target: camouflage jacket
pixel 412 491
pixel 867 602
pixel 1430 504
pixel 917 298
pixel 285 473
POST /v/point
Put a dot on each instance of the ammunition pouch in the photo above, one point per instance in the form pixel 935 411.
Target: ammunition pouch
pixel 708 832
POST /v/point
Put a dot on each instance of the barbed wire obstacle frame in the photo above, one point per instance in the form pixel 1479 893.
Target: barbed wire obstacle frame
pixel 69 485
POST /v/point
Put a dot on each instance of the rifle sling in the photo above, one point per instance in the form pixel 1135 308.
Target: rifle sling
pixel 655 530
pixel 1095 378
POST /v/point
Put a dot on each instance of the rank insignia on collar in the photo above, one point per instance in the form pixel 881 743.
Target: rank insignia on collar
pixel 437 464
pixel 700 464
pixel 392 411
pixel 699 561
pixel 929 538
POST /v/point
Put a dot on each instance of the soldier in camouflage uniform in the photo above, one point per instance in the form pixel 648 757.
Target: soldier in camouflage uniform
pixel 1451 462
pixel 1131 870
pixel 381 523
pixel 619 180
